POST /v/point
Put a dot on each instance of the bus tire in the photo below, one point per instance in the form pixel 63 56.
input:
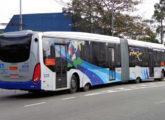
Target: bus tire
pixel 138 80
pixel 73 84
pixel 86 87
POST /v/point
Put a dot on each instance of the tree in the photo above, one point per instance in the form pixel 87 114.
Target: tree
pixel 96 16
pixel 89 12
pixel 1 32
pixel 159 16
pixel 109 10
pixel 82 12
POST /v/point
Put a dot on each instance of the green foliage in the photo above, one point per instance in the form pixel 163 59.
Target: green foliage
pixel 96 16
pixel 93 15
pixel 150 39
pixel 159 13
pixel 1 32
pixel 159 16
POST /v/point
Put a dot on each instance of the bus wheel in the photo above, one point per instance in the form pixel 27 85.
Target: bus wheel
pixel 138 80
pixel 86 87
pixel 73 87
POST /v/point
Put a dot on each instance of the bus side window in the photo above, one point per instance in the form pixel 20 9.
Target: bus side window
pixel 117 55
pixel 49 55
pixel 99 54
pixel 86 51
pixel 132 57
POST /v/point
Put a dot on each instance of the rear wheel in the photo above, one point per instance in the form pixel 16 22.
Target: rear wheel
pixel 86 87
pixel 73 84
pixel 138 80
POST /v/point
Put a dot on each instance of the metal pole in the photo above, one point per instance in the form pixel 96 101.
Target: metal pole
pixel 112 18
pixel 20 17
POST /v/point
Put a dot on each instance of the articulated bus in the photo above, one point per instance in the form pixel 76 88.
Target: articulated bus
pixel 53 61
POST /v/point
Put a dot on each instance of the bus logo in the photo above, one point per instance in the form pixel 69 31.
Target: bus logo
pixel 136 52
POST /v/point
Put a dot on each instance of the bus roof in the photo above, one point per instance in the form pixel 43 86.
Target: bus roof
pixel 101 38
pixel 86 37
pixel 82 36
pixel 145 44
pixel 17 34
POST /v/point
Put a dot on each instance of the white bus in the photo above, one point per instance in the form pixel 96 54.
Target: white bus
pixel 52 61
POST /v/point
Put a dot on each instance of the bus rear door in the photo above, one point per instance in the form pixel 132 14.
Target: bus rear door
pixel 61 65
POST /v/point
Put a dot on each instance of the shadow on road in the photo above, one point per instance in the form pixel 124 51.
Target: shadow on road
pixel 42 94
pixel 28 95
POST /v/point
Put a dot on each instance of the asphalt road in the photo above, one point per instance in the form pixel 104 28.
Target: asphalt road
pixel 145 101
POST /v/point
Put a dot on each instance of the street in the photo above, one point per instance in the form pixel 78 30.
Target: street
pixel 144 101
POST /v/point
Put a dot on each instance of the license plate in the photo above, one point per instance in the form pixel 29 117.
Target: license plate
pixel 14 76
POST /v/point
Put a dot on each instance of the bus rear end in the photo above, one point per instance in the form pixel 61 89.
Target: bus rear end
pixel 19 61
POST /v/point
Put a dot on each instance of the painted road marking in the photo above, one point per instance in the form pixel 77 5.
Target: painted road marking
pixel 69 98
pixel 111 91
pixel 143 85
pixel 125 89
pixel 30 105
pixel 96 93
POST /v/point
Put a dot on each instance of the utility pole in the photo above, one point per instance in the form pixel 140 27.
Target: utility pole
pixel 20 17
pixel 112 19
pixel 90 15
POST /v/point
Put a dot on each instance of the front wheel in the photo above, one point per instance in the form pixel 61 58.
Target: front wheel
pixel 73 84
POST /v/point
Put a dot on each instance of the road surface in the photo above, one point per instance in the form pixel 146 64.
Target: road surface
pixel 144 101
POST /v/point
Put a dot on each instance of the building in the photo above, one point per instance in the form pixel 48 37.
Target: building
pixel 42 22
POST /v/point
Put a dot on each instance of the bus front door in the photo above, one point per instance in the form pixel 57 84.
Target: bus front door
pixel 61 66
pixel 111 59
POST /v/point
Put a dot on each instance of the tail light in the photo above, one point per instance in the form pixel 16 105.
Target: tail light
pixel 37 73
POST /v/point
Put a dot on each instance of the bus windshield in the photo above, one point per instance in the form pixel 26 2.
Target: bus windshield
pixel 15 49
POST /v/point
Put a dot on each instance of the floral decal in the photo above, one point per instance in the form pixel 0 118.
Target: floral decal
pixel 74 53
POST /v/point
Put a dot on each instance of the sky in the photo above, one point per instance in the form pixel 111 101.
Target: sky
pixel 10 7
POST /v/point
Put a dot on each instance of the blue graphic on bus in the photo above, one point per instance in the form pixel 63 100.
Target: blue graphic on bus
pixel 46 75
pixel 25 68
pixel 2 66
pixel 96 74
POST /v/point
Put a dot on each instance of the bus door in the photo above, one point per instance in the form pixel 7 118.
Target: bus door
pixel 151 64
pixel 111 60
pixel 61 65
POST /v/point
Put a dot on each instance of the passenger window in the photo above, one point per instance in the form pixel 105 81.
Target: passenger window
pixel 49 55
